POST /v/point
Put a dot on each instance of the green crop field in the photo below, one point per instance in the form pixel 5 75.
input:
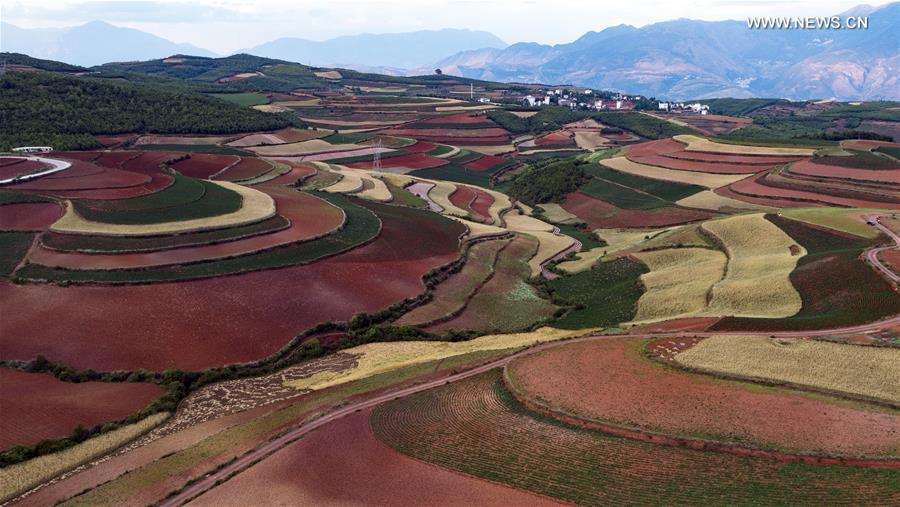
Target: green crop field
pixel 668 190
pixel 242 99
pixel 605 295
pixel 13 247
pixel 623 197
pixel 455 173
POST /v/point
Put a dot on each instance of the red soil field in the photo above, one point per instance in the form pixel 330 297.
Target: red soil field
pixel 691 165
pixel 310 218
pixel 482 205
pixel 202 165
pixel 463 197
pixel 809 168
pixel 449 132
pixel 755 187
pixel 420 146
pixel 197 324
pixel 673 149
pixel 344 464
pixel 611 381
pixel 117 159
pixel 554 139
pixel 20 167
pixel 601 214
pixel 470 141
pixel 248 167
pixel 32 216
pixel 461 118
pixel 37 406
pixel 485 163
pixel 764 201
pixel 114 139
pixel 297 172
pixel 865 144
pixel 91 180
pixel 5 161
pixel 410 162
pixel 148 162
pixel 87 156
pixel 892 259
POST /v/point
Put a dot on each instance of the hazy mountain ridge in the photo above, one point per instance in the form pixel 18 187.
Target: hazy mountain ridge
pixel 684 59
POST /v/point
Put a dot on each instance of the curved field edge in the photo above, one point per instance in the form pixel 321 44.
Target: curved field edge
pixel 361 226
pixel 862 372
pixel 477 427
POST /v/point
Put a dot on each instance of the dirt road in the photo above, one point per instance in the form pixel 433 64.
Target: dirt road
pixel 872 255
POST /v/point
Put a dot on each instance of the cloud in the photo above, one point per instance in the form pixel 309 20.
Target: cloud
pixel 140 11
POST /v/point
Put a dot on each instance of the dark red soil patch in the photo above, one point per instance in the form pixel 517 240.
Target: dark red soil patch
pixel 37 406
pixel 34 216
pixel 667 348
pixel 692 165
pixel 609 380
pixel 115 139
pixel 809 168
pixel 149 162
pixel 603 215
pixel 482 205
pixel 420 146
pixel 20 167
pixel 757 187
pixel 485 163
pixel 462 197
pixel 461 118
pixel 197 324
pixel 412 161
pixel 764 201
pixel 555 139
pixel 891 258
pixel 470 141
pixel 449 132
pixel 248 167
pixel 84 176
pixel 202 165
pixel 345 464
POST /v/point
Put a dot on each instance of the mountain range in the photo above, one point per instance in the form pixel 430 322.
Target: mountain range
pixel 690 59
pixel 680 59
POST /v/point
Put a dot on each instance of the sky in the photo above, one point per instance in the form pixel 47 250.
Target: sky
pixel 225 26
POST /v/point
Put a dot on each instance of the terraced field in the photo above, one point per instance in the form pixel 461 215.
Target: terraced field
pixel 476 427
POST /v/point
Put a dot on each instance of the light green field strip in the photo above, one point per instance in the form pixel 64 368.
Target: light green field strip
pixel 678 282
pixel 19 478
pixel 381 357
pixel 558 215
pixel 455 150
pixel 851 221
pixel 616 240
pixel 710 200
pixel 279 170
pixel 303 148
pixel 708 180
pixel 697 143
pixel 868 371
pixel 255 206
pixel 760 260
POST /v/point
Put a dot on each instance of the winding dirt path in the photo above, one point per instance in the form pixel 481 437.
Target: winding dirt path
pixel 872 254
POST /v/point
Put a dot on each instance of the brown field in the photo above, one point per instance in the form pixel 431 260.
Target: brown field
pixel 609 380
pixel 873 372
pixel 707 180
pixel 37 406
pixel 603 215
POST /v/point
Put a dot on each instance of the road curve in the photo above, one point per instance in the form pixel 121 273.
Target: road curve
pixel 872 255
pixel 212 480
pixel 55 167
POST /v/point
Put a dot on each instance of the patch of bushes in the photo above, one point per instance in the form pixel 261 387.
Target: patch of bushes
pixel 548 181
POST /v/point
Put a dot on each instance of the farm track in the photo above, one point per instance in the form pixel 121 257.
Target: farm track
pixel 872 254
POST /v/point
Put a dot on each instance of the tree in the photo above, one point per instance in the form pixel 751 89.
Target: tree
pixel 438 71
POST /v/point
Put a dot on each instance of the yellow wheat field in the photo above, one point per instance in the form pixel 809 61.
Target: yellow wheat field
pixel 868 371
pixel 850 220
pixel 715 202
pixel 708 180
pixel 255 206
pixel 616 240
pixel 17 479
pixel 696 143
pixel 352 123
pixel 304 148
pixel 478 230
pixel 328 74
pixel 589 140
pixel 760 260
pixel 490 150
pixel 558 215
pixel 678 282
pixel 353 181
pixel 378 358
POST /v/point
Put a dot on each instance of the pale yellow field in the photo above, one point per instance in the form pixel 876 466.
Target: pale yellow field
pixel 478 230
pixel 678 282
pixel 255 206
pixel 517 221
pixel 501 203
pixel 440 194
pixel 707 180
pixel 588 123
pixel 558 215
pixel 328 74
pixel 590 140
pixel 353 182
pixel 524 114
pixel 303 148
pixel 383 89
pixel 156 139
pixel 482 107
pixel 549 246
pixel 842 219
pixel 697 143
pixel 271 108
pixel 757 282
pixel 668 119
pixel 490 150
pixel 382 357
pixel 353 123
pixel 868 371
pixel 616 239
pixel 17 479
pixel 299 103
pixel 713 201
